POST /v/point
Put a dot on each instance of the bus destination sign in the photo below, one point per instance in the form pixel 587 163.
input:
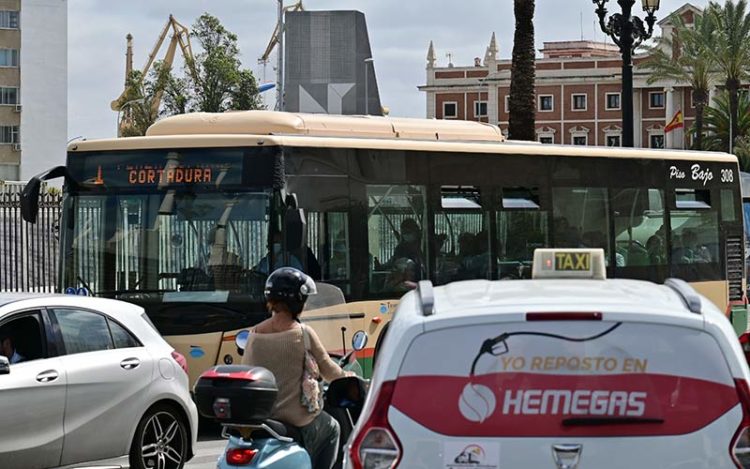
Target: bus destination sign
pixel 158 170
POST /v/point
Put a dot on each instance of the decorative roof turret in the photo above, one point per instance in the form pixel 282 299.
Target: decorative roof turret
pixel 431 59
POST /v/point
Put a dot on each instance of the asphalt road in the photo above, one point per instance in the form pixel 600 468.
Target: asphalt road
pixel 207 452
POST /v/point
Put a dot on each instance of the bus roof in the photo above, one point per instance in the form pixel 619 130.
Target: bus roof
pixel 270 128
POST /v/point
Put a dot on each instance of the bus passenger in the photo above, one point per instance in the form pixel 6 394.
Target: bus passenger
pixel 278 344
pixel 409 246
pixel 693 252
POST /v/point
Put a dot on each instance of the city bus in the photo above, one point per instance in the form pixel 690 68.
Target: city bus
pixel 188 220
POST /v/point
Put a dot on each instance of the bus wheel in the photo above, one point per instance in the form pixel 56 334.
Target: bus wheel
pixel 161 440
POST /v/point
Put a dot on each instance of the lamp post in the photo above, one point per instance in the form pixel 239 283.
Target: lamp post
pixel 368 61
pixel 628 32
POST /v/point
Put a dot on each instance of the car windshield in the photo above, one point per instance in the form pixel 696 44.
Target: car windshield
pixel 179 246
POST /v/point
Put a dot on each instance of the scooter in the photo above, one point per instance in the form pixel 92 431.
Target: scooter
pixel 241 398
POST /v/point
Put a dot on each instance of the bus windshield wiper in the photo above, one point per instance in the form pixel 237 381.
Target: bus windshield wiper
pixel 596 421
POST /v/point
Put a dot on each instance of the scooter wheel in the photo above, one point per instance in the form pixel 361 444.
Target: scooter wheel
pixel 160 440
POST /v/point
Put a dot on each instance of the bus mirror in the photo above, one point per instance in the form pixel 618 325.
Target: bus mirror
pixel 294 229
pixel 30 199
pixel 30 193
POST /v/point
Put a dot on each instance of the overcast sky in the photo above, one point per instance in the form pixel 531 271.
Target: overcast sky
pixel 400 31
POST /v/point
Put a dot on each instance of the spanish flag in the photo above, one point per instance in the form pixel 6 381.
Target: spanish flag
pixel 676 122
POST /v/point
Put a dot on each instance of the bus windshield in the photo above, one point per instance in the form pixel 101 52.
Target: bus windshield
pixel 180 246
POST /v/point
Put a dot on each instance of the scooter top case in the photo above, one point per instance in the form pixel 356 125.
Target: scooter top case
pixel 236 394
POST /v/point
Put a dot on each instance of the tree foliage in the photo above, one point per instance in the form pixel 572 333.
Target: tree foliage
pixel 718 122
pixel 219 84
pixel 523 75
pixel 731 23
pixel 687 57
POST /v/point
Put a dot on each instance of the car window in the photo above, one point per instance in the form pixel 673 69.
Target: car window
pixel 83 331
pixel 122 337
pixel 21 338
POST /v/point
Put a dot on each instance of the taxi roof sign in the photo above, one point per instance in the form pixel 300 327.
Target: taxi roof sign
pixel 563 263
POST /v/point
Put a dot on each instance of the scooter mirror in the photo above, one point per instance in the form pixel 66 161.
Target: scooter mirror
pixel 359 340
pixel 241 339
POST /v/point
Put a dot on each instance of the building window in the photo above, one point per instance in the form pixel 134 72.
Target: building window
pixel 8 57
pixel 656 100
pixel 507 104
pixel 9 172
pixel 580 140
pixel 8 95
pixel 480 108
pixel 613 101
pixel 450 110
pixel 546 139
pixel 546 103
pixel 579 102
pixel 613 141
pixel 656 140
pixel 8 19
pixel 9 134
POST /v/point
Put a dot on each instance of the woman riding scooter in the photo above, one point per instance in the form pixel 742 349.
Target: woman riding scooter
pixel 293 352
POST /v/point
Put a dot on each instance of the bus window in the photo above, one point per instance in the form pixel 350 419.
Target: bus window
pixel 695 236
pixel 521 227
pixel 461 238
pixel 728 211
pixel 328 237
pixel 640 233
pixel 396 237
pixel 581 218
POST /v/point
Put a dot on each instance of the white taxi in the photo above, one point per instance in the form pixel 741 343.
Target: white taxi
pixel 567 370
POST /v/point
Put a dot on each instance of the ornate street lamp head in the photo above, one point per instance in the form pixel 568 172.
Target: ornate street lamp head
pixel 650 6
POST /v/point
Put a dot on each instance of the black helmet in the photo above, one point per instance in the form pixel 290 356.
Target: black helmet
pixel 289 285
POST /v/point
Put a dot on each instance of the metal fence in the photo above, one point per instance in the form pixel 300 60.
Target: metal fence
pixel 28 252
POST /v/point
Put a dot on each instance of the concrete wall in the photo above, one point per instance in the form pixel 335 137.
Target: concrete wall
pixel 44 84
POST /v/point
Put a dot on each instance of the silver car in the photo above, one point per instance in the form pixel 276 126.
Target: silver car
pixel 88 381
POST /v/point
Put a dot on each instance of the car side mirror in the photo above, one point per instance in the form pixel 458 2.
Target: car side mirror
pixel 241 341
pixel 4 366
pixel 745 344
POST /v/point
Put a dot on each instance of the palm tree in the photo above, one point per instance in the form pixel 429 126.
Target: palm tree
pixel 522 75
pixel 717 121
pixel 732 34
pixel 687 57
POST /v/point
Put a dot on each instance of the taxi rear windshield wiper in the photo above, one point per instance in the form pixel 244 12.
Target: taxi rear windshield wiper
pixel 596 421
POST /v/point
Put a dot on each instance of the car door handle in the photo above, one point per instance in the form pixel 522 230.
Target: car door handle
pixel 47 376
pixel 130 363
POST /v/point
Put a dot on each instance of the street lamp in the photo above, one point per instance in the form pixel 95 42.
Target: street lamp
pixel 368 61
pixel 628 32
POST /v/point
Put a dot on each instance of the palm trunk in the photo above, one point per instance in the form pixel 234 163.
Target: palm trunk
pixel 523 77
pixel 701 100
pixel 733 86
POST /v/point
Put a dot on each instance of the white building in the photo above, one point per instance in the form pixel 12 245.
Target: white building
pixel 33 86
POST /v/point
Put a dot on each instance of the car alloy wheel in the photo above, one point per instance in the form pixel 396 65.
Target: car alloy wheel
pixel 161 441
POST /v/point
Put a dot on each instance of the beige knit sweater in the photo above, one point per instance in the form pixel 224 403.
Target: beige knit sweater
pixel 283 354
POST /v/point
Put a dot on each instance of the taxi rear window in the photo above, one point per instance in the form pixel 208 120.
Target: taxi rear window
pixel 576 378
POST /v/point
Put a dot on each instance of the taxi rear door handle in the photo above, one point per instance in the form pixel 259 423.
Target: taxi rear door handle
pixel 130 363
pixel 47 376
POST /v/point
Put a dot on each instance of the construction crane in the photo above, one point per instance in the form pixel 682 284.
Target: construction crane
pixel 181 37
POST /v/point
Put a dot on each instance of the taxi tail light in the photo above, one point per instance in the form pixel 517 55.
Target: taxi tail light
pixel 376 445
pixel 564 316
pixel 180 359
pixel 240 456
pixel 739 448
pixel 745 343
